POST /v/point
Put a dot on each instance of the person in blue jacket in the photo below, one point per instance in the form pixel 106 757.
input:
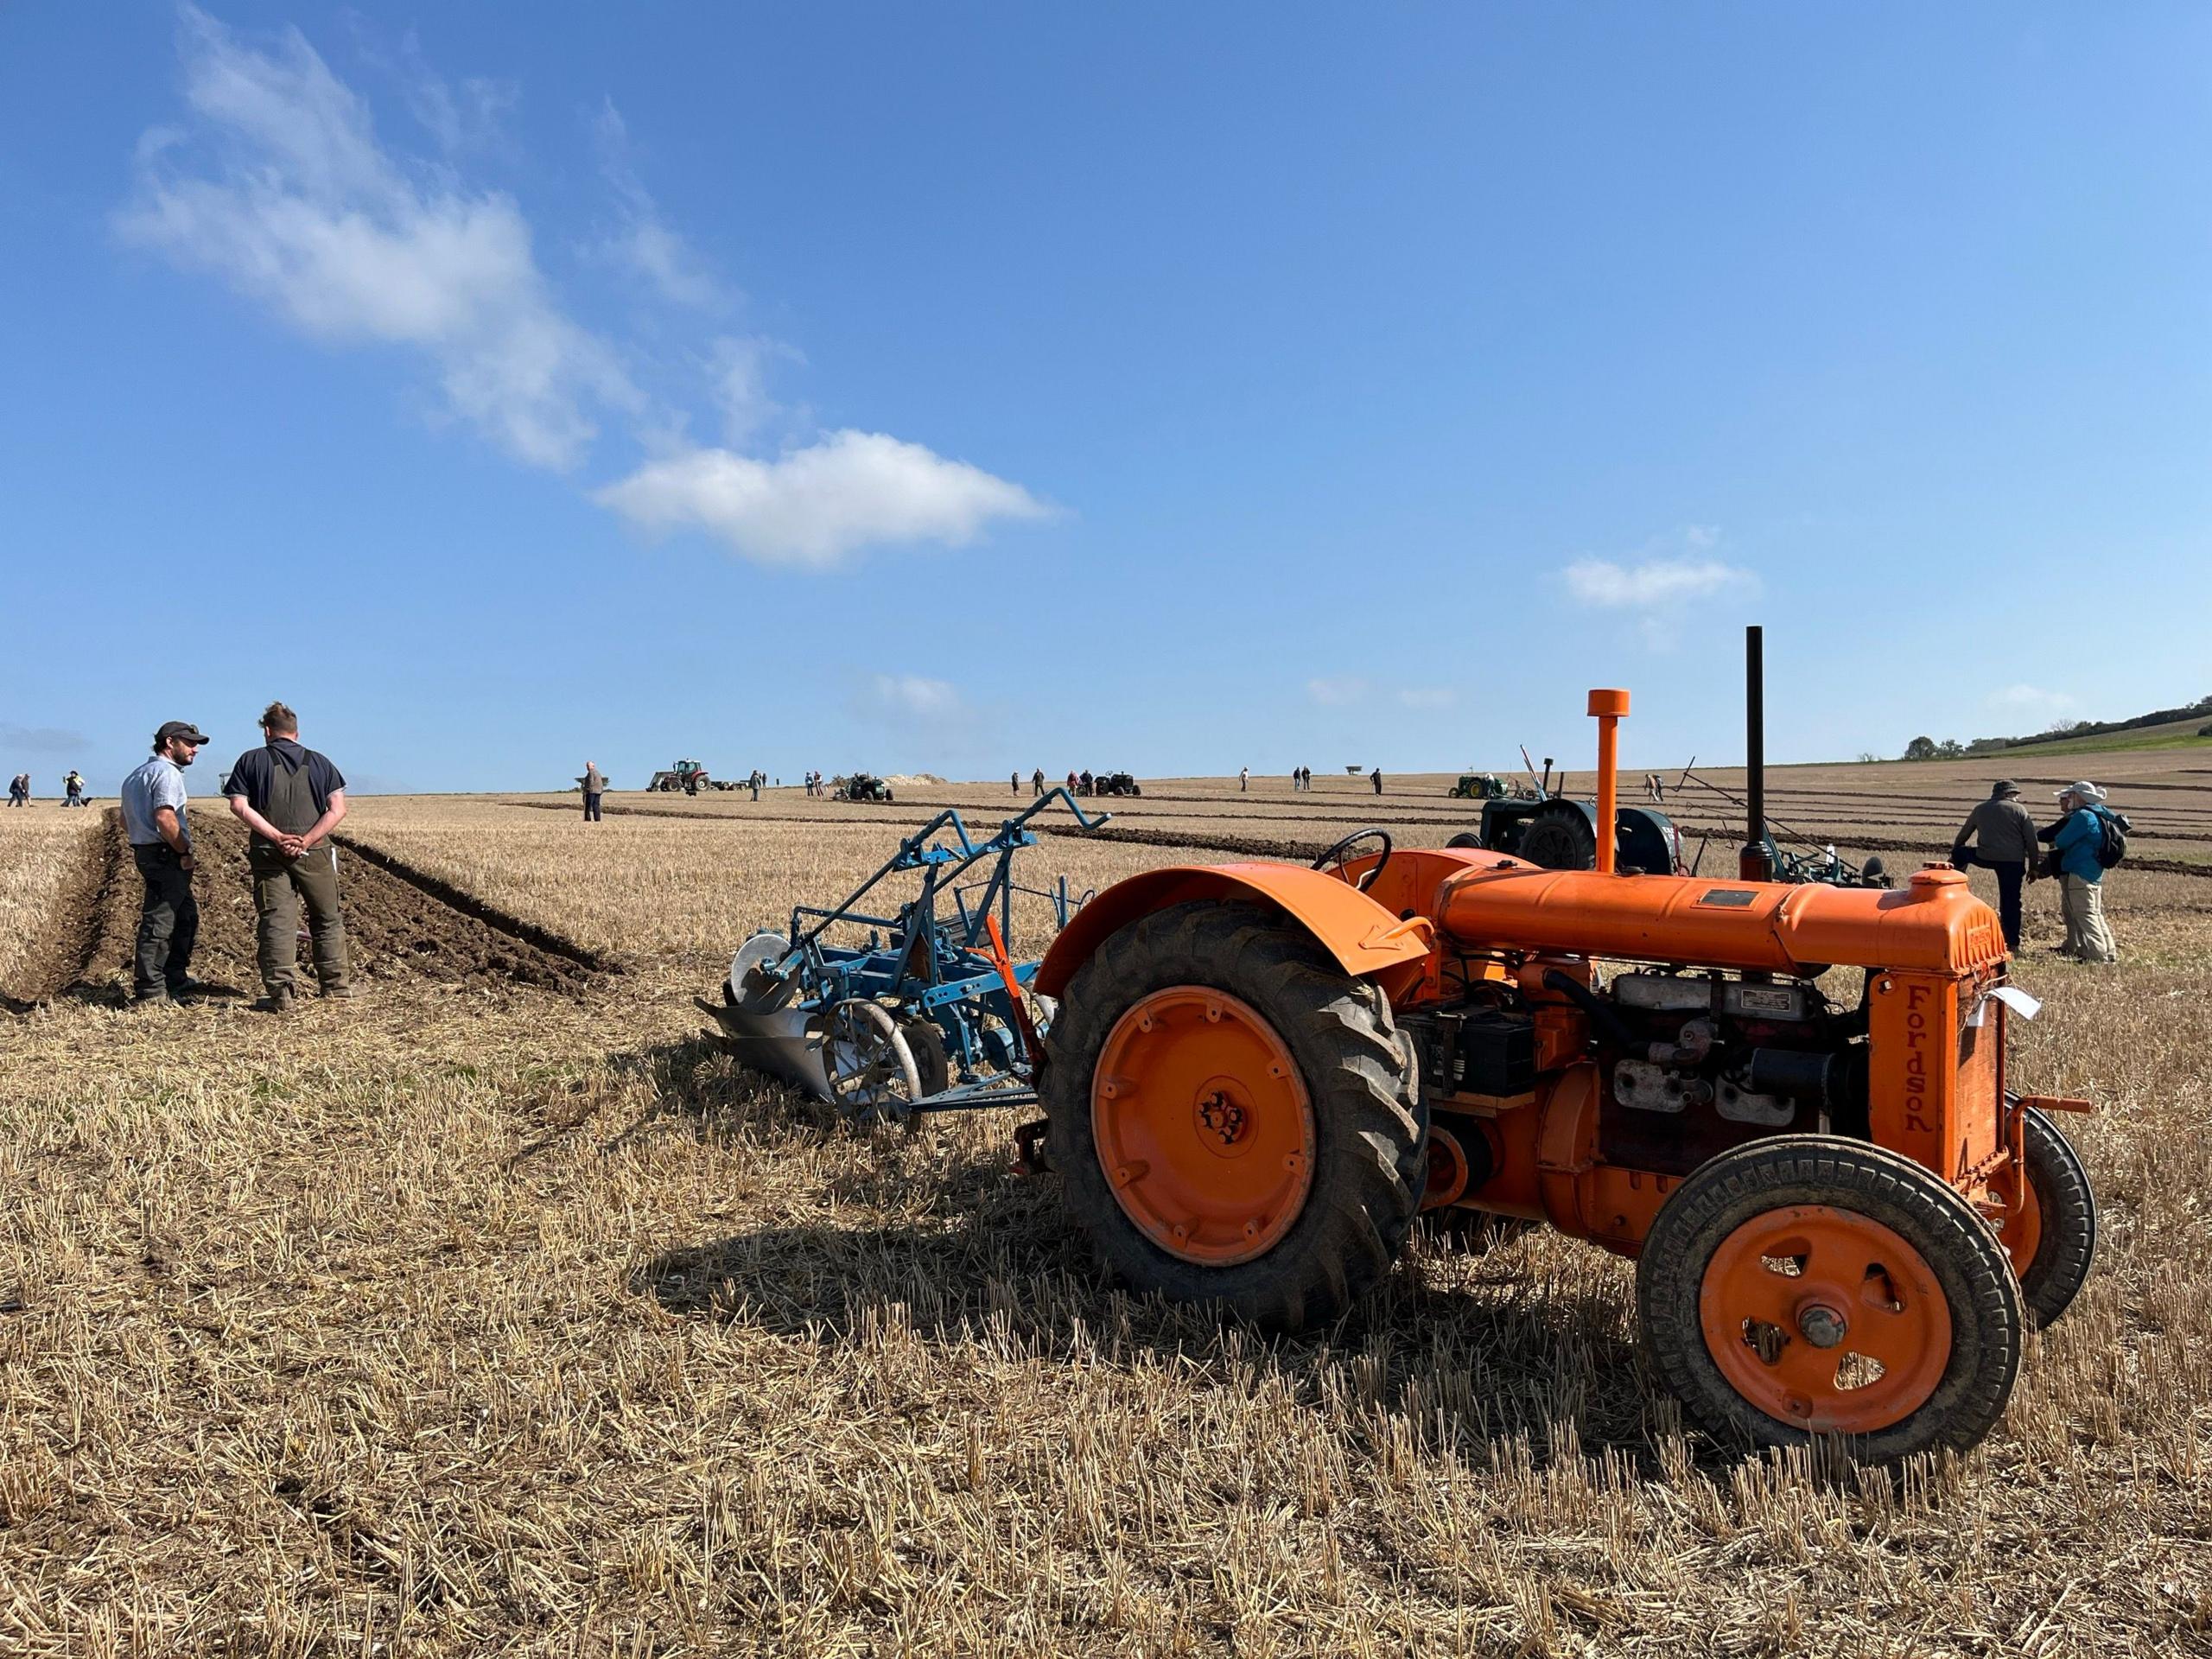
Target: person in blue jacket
pixel 2081 877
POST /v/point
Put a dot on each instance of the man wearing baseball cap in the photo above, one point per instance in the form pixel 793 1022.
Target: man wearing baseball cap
pixel 160 845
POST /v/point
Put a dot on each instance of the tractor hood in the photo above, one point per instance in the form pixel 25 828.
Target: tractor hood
pixel 1935 924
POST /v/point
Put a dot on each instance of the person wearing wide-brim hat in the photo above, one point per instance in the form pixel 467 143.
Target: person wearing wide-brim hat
pixel 2074 841
pixel 2004 844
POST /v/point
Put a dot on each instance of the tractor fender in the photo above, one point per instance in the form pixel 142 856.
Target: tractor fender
pixel 1363 936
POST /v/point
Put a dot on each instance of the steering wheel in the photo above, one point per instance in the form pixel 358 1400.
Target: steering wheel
pixel 1336 856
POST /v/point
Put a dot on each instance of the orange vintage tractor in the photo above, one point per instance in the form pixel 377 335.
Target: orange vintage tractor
pixel 1842 1217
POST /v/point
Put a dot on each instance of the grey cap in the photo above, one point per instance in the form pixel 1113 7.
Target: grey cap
pixel 2003 786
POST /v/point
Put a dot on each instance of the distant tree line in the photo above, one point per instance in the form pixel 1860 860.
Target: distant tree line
pixel 1949 748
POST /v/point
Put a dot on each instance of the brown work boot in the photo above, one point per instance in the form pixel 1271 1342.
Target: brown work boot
pixel 279 1001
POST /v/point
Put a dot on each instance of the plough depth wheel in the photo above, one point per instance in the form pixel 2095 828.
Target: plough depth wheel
pixel 1232 1115
pixel 873 1077
pixel 1809 1285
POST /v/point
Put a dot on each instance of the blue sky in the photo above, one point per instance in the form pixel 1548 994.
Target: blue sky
pixel 1174 388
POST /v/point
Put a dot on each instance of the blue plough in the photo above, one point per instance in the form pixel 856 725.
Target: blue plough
pixel 928 1013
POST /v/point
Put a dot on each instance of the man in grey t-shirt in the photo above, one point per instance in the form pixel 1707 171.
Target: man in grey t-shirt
pixel 160 845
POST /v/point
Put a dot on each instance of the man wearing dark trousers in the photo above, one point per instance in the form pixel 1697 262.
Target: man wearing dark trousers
pixel 595 783
pixel 2005 843
pixel 291 798
pixel 160 845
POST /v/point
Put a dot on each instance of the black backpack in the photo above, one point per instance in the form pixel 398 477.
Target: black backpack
pixel 2111 844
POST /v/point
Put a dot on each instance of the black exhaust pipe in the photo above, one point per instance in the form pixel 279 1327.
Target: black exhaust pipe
pixel 1756 862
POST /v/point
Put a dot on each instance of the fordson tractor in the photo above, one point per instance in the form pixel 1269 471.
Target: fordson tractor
pixel 1789 1104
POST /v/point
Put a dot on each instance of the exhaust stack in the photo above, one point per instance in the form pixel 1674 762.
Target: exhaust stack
pixel 1756 861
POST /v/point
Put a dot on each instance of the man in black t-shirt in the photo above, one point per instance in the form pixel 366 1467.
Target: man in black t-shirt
pixel 291 798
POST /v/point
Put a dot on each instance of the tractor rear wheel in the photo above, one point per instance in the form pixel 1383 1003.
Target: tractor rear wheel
pixel 1811 1285
pixel 1466 838
pixel 2053 1238
pixel 1560 839
pixel 1233 1116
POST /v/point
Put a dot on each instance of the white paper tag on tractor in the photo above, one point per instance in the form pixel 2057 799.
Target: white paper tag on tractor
pixel 2015 999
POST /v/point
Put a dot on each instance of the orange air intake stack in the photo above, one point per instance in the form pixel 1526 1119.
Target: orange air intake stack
pixel 1608 708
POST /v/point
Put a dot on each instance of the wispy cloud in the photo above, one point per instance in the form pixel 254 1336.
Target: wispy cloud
pixel 815 506
pixel 645 242
pixel 1659 584
pixel 1336 693
pixel 280 187
pixel 2031 700
pixel 43 740
pixel 918 698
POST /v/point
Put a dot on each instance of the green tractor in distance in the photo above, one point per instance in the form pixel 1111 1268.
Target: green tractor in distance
pixel 860 786
pixel 1479 787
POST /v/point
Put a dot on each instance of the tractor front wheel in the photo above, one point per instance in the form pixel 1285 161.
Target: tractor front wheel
pixel 1811 1285
pixel 1233 1116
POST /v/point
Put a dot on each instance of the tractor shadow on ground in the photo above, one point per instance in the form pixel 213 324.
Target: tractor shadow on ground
pixel 1486 1367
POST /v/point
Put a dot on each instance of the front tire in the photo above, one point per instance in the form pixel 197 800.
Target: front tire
pixel 1233 1116
pixel 2053 1240
pixel 1776 1272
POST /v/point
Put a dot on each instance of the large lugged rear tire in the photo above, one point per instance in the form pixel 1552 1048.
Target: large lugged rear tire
pixel 1560 838
pixel 1776 1271
pixel 1257 1139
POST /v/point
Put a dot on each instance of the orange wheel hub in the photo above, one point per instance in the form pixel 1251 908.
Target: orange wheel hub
pixel 1202 1125
pixel 1825 1320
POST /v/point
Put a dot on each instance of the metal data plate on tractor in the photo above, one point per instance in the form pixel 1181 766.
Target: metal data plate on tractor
pixel 928 1013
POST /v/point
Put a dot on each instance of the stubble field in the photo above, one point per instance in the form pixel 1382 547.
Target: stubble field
pixel 497 1313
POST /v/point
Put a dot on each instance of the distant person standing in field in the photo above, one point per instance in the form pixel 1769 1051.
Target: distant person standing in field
pixel 1037 783
pixel 19 790
pixel 1376 778
pixel 2076 841
pixel 594 786
pixel 160 846
pixel 1243 779
pixel 291 798
pixel 73 789
pixel 2004 844
pixel 1014 782
pixel 758 775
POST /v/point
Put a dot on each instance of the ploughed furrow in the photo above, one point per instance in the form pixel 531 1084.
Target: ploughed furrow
pixel 401 926
pixel 71 933
pixel 467 905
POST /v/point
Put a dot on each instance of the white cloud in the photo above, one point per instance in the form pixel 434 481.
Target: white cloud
pixel 1428 696
pixel 645 242
pixel 738 369
pixel 815 506
pixel 1652 584
pixel 296 204
pixel 277 184
pixel 1662 582
pixel 2031 700
pixel 918 698
pixel 1336 693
